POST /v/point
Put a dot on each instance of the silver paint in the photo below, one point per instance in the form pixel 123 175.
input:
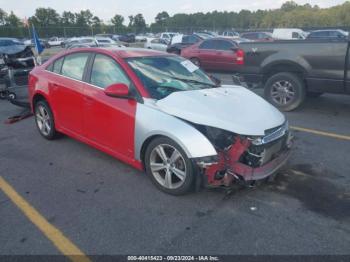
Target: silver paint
pixel 150 121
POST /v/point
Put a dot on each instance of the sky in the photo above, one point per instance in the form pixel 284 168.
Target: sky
pixel 106 9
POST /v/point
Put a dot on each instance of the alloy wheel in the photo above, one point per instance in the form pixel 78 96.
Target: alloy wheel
pixel 282 92
pixel 168 166
pixel 43 120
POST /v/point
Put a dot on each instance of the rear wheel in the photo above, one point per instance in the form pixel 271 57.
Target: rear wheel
pixel 168 166
pixel 44 120
pixel 285 91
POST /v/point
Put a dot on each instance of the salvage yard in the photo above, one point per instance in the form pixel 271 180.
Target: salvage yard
pixel 102 206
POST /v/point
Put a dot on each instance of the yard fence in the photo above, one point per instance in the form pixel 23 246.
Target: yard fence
pixel 69 31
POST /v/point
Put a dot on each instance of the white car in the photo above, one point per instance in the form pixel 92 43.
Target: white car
pixel 168 35
pixel 56 41
pixel 289 34
pixel 156 44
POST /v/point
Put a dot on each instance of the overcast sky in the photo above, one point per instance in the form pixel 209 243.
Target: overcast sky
pixel 106 9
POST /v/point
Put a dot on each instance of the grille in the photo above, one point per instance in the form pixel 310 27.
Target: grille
pixel 258 155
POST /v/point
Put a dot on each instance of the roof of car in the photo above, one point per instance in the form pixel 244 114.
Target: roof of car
pixel 126 52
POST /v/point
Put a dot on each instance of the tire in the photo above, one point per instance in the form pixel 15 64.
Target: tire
pixel 285 91
pixel 3 95
pixel 314 94
pixel 44 120
pixel 196 61
pixel 11 96
pixel 160 168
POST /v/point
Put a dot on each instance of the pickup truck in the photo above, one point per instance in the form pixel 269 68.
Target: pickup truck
pixel 291 70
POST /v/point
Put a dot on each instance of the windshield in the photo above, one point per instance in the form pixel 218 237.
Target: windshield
pixel 163 75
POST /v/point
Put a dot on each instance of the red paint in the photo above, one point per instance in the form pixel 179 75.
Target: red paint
pixel 213 59
pixel 229 162
pixel 86 113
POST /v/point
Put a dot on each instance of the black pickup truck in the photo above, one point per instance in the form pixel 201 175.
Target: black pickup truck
pixel 291 70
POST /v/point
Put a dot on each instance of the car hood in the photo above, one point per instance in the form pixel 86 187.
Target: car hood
pixel 13 49
pixel 232 108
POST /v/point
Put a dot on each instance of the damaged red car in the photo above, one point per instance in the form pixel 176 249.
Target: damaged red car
pixel 159 113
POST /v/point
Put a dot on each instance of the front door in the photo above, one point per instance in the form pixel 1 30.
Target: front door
pixel 109 121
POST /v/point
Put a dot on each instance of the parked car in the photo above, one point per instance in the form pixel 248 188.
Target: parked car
pixel 291 70
pixel 179 42
pixel 55 41
pixel 327 34
pixel 30 42
pixel 230 34
pixel 156 44
pixel 104 36
pixel 167 35
pixel 258 36
pixel 215 54
pixel 289 34
pixel 16 60
pixel 128 38
pixel 159 113
pixel 80 41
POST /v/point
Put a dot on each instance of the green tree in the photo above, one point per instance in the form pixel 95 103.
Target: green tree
pixel 68 18
pixel 84 18
pixel 162 17
pixel 46 17
pixel 117 21
pixel 13 20
pixel 3 17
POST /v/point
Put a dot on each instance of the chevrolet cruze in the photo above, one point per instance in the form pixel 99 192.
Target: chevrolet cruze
pixel 159 113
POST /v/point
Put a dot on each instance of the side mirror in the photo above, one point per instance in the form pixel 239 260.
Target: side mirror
pixel 120 90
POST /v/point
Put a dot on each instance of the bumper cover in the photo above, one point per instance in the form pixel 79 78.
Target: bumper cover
pixel 249 173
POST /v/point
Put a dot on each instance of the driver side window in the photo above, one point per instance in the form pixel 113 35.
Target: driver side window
pixel 106 71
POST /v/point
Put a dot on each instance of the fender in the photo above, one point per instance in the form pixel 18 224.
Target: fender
pixel 150 121
pixel 289 60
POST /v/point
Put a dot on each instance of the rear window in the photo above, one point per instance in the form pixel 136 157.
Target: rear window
pixel 223 45
pixel 74 65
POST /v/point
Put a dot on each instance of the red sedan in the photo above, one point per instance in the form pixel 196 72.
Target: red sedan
pixel 215 54
pixel 151 110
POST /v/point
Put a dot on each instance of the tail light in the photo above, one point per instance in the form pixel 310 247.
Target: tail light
pixel 240 57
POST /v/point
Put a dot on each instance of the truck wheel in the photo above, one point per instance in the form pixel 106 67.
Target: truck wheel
pixel 286 91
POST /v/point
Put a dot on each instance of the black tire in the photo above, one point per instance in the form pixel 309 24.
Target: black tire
pixel 12 96
pixel 3 95
pixel 186 185
pixel 196 61
pixel 296 91
pixel 51 133
pixel 314 94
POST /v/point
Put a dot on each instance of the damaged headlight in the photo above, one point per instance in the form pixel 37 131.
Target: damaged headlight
pixel 271 134
pixel 221 139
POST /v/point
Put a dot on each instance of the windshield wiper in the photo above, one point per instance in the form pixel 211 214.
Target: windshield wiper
pixel 186 80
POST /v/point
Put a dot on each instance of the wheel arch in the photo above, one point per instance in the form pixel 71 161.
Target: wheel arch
pixel 283 67
pixel 151 123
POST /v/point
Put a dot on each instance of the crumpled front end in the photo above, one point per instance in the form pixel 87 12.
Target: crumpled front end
pixel 247 158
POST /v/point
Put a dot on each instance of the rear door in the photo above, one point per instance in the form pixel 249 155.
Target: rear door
pixel 207 54
pixel 225 56
pixel 67 91
pixel 109 121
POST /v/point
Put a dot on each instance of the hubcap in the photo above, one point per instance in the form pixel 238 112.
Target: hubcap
pixel 168 166
pixel 43 120
pixel 282 92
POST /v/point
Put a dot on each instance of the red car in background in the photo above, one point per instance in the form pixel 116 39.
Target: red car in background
pixel 219 54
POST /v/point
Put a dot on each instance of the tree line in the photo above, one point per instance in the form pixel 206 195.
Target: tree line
pixel 290 14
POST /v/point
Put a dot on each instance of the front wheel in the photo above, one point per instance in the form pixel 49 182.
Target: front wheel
pixel 286 91
pixel 168 166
